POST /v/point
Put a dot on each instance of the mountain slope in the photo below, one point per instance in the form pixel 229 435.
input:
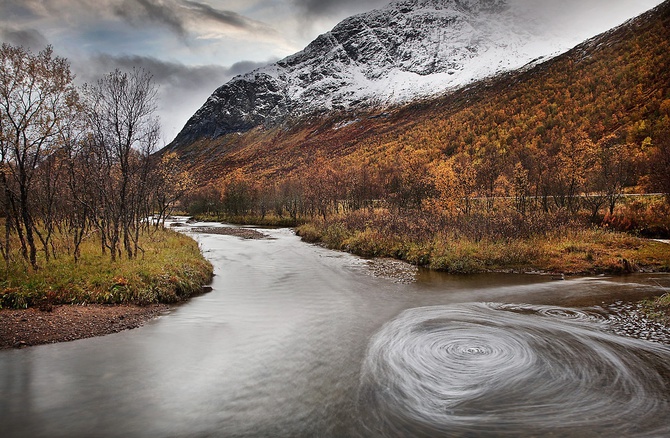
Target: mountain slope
pixel 410 49
pixel 615 84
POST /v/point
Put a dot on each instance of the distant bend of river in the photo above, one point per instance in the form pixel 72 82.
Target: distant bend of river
pixel 298 341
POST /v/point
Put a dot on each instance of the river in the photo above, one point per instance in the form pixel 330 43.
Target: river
pixel 299 341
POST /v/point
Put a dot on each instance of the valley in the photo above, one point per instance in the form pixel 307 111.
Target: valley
pixel 456 221
pixel 538 154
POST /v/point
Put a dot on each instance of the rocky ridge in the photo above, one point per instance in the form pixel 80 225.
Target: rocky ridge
pixel 407 50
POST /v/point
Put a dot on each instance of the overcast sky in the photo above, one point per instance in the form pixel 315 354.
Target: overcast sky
pixel 194 46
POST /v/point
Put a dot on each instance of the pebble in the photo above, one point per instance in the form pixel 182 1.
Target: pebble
pixel 395 270
pixel 245 233
pixel 628 319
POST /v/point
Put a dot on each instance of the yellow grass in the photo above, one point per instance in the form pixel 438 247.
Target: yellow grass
pixel 170 269
pixel 568 250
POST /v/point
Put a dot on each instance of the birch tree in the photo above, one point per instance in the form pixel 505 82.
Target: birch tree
pixel 36 96
pixel 125 132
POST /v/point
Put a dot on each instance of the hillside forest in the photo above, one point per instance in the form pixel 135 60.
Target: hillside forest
pixel 578 142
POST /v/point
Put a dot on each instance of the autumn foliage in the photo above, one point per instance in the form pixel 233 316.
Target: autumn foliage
pixel 566 140
pixel 76 163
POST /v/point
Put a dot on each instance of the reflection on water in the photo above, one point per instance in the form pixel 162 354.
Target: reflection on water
pixel 295 340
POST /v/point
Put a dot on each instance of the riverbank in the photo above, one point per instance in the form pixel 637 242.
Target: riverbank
pixel 60 323
pixel 568 250
pixel 244 233
pixel 563 251
pixel 169 269
pixel 66 300
pixel 21 328
pixel 182 272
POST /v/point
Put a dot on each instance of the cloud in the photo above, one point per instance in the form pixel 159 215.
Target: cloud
pixel 316 16
pixel 578 18
pixel 17 11
pixel 228 18
pixel 182 17
pixel 242 67
pixel 168 73
pixel 137 12
pixel 182 89
pixel 29 38
pixel 178 41
pixel 328 8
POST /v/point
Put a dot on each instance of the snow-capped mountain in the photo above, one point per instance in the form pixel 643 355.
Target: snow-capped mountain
pixel 409 49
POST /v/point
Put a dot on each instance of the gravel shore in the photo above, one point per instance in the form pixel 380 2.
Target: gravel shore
pixel 245 233
pixel 391 269
pixel 26 327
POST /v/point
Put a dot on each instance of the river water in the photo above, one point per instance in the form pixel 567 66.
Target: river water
pixel 299 341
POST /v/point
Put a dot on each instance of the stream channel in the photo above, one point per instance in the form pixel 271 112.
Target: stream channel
pixel 296 340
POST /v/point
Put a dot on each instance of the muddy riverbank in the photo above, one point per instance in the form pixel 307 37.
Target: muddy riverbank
pixel 26 327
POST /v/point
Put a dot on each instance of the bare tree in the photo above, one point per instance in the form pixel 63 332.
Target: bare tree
pixel 170 183
pixel 125 132
pixel 36 94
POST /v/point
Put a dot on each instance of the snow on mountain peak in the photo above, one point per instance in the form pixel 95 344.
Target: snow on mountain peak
pixel 407 50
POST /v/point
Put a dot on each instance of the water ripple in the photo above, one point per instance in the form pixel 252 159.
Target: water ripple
pixel 503 370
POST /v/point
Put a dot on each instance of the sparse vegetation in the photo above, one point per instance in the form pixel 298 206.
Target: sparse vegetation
pixel 567 248
pixel 658 308
pixel 77 186
pixel 170 269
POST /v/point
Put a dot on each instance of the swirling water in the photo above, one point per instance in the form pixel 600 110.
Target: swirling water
pixel 499 370
pixel 295 340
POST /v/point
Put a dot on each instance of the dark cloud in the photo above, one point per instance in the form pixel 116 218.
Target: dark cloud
pixel 246 66
pixel 138 11
pixel 165 73
pixel 327 8
pixel 176 15
pixel 182 88
pixel 29 38
pixel 226 17
pixel 17 11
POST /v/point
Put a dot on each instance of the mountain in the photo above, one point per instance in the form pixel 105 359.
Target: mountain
pixel 390 56
pixel 615 85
